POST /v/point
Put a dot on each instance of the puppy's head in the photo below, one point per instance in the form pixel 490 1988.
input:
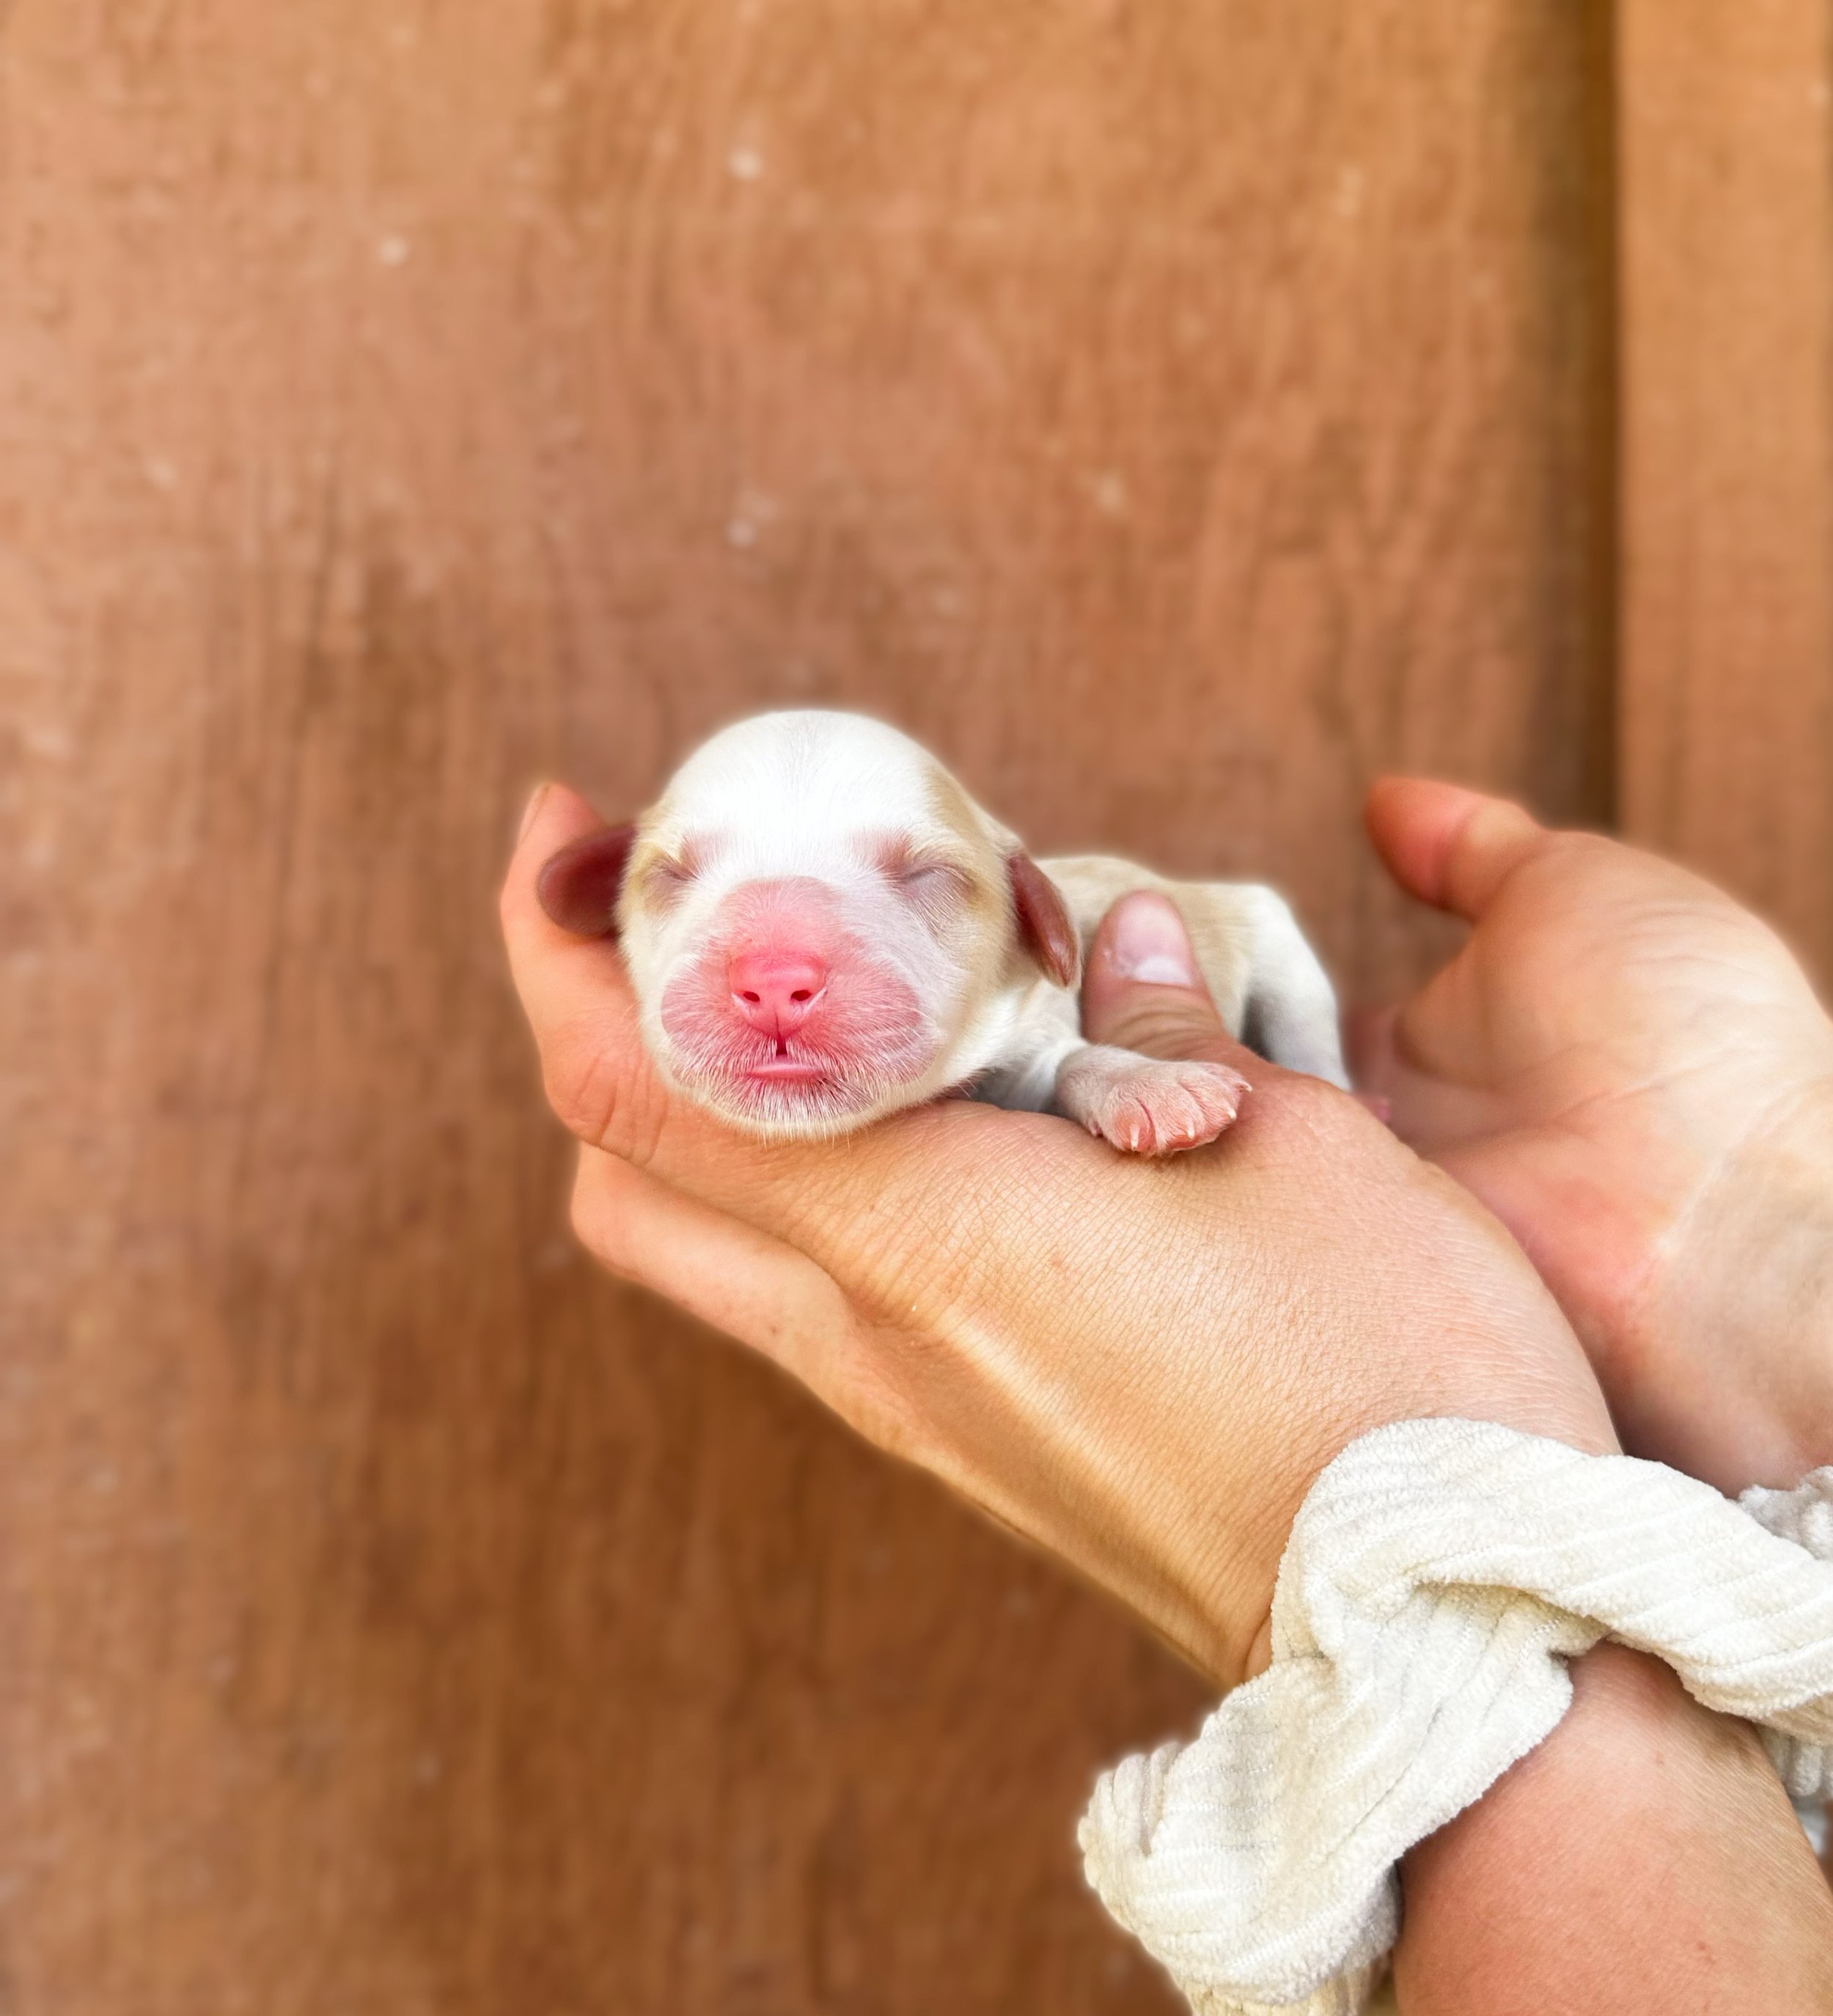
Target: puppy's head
pixel 818 923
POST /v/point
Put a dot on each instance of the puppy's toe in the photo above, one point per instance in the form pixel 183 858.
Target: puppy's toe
pixel 1147 1106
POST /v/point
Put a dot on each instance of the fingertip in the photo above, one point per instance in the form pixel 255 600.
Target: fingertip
pixel 531 810
pixel 574 988
pixel 1445 844
pixel 1144 988
pixel 1143 937
pixel 1413 822
pixel 556 816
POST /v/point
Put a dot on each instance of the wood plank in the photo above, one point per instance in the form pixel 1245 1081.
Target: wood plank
pixel 1175 413
pixel 1727 171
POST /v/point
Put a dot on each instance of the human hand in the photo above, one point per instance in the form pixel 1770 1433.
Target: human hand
pixel 1634 1075
pixel 1141 1367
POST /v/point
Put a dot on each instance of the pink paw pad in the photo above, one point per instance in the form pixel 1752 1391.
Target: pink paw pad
pixel 1145 1107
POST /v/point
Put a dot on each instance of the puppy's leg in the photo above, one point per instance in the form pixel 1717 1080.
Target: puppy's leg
pixel 1148 1106
pixel 1265 979
pixel 1288 1013
pixel 1141 1105
pixel 1291 1007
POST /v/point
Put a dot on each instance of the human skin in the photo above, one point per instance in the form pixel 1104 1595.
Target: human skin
pixel 1142 1368
pixel 1100 1352
pixel 1634 1074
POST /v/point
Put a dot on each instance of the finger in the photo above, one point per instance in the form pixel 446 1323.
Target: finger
pixel 942 1167
pixel 1449 847
pixel 1365 1039
pixel 557 822
pixel 729 1274
pixel 1144 990
pixel 1368 1045
pixel 577 997
pixel 1429 1111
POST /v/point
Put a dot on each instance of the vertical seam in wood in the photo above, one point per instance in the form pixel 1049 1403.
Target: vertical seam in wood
pixel 1602 783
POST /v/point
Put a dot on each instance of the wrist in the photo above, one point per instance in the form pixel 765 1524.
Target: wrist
pixel 1739 1304
pixel 1644 1857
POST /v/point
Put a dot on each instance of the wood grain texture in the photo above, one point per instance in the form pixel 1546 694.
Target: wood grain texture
pixel 1726 167
pixel 1174 413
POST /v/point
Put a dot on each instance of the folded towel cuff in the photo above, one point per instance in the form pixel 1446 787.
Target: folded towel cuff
pixel 1439 1574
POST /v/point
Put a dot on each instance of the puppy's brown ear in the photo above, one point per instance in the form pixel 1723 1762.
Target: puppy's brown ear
pixel 580 886
pixel 1046 928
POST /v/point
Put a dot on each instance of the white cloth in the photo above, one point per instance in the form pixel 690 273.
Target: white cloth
pixel 1438 1574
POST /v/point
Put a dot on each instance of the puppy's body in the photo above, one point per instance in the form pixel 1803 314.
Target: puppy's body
pixel 1267 983
pixel 821 928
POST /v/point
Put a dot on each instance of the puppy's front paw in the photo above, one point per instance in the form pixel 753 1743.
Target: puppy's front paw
pixel 1147 1106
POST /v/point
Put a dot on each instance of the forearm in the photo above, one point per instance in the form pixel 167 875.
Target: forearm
pixel 1644 1859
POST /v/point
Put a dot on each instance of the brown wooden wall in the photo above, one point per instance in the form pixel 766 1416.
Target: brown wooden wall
pixel 1175 413
pixel 1726 149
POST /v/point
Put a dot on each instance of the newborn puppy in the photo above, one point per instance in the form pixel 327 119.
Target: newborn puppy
pixel 821 927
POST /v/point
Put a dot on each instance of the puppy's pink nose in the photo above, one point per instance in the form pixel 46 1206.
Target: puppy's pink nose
pixel 775 990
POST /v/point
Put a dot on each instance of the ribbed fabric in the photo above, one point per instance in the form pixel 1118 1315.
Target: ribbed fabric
pixel 1438 1575
pixel 1804 1515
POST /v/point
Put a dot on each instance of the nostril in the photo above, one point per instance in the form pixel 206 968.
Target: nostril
pixel 774 989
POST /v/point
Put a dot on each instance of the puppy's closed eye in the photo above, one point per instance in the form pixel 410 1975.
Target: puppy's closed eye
pixel 924 876
pixel 666 881
pixel 667 873
pixel 822 928
pixel 932 878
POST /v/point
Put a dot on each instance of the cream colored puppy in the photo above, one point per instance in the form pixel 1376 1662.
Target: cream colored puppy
pixel 821 928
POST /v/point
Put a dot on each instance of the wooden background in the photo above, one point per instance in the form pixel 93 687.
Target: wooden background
pixel 1177 413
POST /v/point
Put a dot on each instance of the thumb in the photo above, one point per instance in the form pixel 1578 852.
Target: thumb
pixel 1451 847
pixel 1144 990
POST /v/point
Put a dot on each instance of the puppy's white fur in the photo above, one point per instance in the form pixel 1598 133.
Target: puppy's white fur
pixel 855 820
